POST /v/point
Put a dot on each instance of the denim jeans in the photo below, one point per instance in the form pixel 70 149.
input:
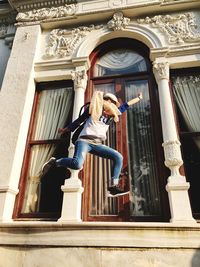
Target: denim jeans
pixel 83 147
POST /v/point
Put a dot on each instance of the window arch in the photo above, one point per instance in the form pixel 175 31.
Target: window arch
pixel 121 66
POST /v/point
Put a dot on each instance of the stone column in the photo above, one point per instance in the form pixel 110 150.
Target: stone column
pixel 16 99
pixel 72 189
pixel 177 187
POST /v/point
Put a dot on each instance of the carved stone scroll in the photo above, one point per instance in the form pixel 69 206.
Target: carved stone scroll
pixel 179 28
pixel 47 13
pixel 63 42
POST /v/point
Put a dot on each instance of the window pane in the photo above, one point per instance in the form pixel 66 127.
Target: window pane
pixel 53 109
pixel 142 164
pixel 119 61
pixel 187 95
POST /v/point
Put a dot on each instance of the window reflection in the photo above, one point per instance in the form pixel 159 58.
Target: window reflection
pixel 119 61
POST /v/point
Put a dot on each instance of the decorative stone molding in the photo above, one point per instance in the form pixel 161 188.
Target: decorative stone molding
pixel 161 70
pixel 173 159
pixel 116 3
pixel 47 13
pixel 25 5
pixel 63 42
pixel 79 78
pixel 179 28
pixel 118 22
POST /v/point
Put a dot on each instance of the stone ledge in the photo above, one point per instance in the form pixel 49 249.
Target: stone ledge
pixel 92 234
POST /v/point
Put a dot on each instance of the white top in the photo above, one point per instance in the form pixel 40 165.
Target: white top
pixel 94 130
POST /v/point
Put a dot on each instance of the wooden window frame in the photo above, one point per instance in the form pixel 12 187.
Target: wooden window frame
pixel 184 134
pixel 163 172
pixel 17 214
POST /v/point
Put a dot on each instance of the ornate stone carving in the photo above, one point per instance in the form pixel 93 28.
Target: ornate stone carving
pixel 79 78
pixel 116 3
pixel 63 42
pixel 173 159
pixel 47 13
pixel 179 28
pixel 161 70
pixel 118 22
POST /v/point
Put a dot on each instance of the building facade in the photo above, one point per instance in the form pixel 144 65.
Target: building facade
pixel 54 55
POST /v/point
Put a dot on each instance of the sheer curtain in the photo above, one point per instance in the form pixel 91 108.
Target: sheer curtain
pixel 52 113
pixel 142 170
pixel 120 61
pixel 187 94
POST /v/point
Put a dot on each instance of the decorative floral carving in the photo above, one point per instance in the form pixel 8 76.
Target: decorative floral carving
pixel 79 78
pixel 47 13
pixel 161 70
pixel 119 22
pixel 63 42
pixel 178 28
pixel 173 159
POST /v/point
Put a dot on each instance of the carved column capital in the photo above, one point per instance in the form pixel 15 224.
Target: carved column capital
pixel 161 70
pixel 80 79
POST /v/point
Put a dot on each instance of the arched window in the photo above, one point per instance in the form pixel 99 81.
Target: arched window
pixel 122 67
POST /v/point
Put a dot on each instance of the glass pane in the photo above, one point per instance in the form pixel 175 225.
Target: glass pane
pixel 191 157
pixel 119 61
pixel 52 112
pixel 187 94
pixel 142 164
pixel 100 171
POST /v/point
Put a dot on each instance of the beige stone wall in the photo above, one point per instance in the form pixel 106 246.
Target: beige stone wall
pixel 98 257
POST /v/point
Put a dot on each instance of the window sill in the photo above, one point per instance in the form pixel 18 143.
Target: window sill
pixel 100 234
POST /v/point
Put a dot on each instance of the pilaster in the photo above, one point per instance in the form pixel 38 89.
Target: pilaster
pixel 177 187
pixel 16 101
pixel 72 189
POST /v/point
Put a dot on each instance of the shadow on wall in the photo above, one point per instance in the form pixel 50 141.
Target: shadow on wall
pixel 196 259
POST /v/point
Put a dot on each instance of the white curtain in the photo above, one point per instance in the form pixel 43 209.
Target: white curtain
pixel 187 94
pixel 144 198
pixel 120 59
pixel 52 113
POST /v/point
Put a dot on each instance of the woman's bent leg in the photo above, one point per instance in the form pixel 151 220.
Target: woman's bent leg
pixel 112 154
pixel 75 163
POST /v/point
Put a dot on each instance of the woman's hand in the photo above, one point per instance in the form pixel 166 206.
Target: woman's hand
pixel 140 96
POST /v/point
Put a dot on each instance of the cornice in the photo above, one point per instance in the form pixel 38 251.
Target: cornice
pixel 27 5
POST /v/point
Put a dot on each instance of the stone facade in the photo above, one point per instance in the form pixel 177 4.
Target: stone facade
pixel 53 41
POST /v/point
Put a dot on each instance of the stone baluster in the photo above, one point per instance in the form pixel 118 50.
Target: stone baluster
pixel 177 187
pixel 72 189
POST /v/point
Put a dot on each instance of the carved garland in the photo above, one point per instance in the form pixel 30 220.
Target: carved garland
pixel 178 28
pixel 63 42
pixel 47 13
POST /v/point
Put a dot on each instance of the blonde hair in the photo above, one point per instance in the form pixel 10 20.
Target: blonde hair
pixel 97 105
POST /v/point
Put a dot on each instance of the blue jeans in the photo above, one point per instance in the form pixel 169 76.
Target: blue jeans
pixel 83 147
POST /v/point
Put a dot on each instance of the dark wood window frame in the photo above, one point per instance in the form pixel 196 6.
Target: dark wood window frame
pixel 163 172
pixel 17 214
pixel 184 134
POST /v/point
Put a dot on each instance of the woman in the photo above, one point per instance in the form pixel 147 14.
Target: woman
pixel 103 109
